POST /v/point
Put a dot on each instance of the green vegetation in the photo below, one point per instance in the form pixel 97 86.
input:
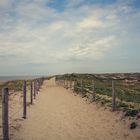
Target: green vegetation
pixel 16 85
pixel 127 90
pixel 133 125
pixel 131 113
pixel 123 105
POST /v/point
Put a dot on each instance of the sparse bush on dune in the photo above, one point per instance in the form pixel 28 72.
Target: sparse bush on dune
pixel 133 125
pixel 131 113
pixel 123 105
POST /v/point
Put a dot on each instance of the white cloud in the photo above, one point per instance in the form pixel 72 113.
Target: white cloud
pixel 40 34
pixel 90 22
pixel 93 48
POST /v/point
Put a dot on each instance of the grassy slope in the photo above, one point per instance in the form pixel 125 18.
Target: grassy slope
pixel 127 92
pixel 16 85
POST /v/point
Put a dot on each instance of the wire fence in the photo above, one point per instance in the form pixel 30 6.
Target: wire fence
pixel 119 93
pixel 115 93
pixel 15 103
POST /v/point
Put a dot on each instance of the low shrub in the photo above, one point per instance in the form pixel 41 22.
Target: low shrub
pixel 123 105
pixel 131 113
pixel 133 125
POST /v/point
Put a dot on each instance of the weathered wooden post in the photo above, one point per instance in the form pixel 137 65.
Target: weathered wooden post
pixel 70 83
pixel 64 83
pixel 67 84
pixel 38 81
pixel 31 84
pixel 93 90
pixel 113 96
pixel 38 85
pixel 5 114
pixel 24 100
pixel 34 89
pixel 59 82
pixel 81 87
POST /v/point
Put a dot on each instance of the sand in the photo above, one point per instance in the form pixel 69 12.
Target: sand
pixel 57 114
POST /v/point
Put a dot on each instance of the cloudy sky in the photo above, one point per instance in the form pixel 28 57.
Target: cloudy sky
pixel 65 36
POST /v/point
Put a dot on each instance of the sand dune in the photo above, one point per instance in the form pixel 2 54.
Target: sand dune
pixel 59 115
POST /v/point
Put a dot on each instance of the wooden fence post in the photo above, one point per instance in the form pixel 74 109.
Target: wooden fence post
pixel 67 84
pixel 39 84
pixel 5 113
pixel 70 83
pixel 34 89
pixel 81 87
pixel 24 100
pixel 64 83
pixel 93 90
pixel 31 84
pixel 113 96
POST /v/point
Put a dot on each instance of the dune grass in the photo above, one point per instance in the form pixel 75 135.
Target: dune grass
pixel 16 85
pixel 126 92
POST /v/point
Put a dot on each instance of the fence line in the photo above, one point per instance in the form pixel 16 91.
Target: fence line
pixel 34 90
pixel 24 100
pixel 31 94
pixel 68 85
pixel 5 104
pixel 35 86
pixel 117 93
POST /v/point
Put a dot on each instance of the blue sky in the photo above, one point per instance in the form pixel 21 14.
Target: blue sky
pixel 64 36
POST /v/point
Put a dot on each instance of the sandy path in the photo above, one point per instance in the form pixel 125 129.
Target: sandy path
pixel 59 115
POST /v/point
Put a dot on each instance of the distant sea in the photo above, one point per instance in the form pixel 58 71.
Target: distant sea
pixel 11 78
